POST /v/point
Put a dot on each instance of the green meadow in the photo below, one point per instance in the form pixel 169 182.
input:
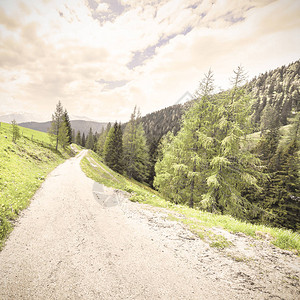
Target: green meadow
pixel 24 165
pixel 199 222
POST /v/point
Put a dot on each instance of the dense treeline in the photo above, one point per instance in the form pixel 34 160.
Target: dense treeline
pixel 200 153
pixel 89 141
pixel 125 150
pixel 278 201
pixel 212 164
pixel 280 88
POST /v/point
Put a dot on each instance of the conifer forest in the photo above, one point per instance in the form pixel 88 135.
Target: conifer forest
pixel 232 152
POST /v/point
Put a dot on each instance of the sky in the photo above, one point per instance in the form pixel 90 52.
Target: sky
pixel 100 58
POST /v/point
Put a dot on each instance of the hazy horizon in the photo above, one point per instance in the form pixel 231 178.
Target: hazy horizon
pixel 101 58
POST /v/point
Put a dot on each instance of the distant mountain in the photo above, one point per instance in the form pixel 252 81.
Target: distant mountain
pixel 82 125
pixel 31 117
pixel 21 117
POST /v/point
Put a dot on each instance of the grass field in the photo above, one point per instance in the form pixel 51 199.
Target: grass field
pixel 198 221
pixel 23 167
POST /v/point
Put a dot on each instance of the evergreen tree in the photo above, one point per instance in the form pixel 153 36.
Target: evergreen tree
pixel 78 139
pixel 90 140
pixel 208 157
pixel 270 119
pixel 56 124
pixel 63 135
pixel 83 140
pixel 66 119
pixel 136 157
pixel 73 136
pixel 280 196
pixel 102 139
pixel 113 150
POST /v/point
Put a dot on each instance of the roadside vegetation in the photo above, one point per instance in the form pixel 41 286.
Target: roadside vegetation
pixel 24 165
pixel 198 221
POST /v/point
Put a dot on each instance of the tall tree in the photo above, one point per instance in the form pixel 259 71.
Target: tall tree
pixel 66 119
pixel 56 124
pixel 83 140
pixel 63 135
pixel 113 149
pixel 269 120
pixel 102 139
pixel 90 140
pixel 78 139
pixel 73 136
pixel 136 157
pixel 280 196
pixel 208 157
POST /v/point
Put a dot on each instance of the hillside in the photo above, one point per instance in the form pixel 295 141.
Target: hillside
pixel 279 87
pixel 200 222
pixel 23 167
pixel 82 125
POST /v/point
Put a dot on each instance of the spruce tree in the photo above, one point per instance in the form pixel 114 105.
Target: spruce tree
pixel 208 157
pixel 102 139
pixel 113 149
pixel 67 121
pixel 90 140
pixel 280 196
pixel 135 149
pixel 83 140
pixel 78 139
pixel 57 121
pixel 63 135
pixel 73 136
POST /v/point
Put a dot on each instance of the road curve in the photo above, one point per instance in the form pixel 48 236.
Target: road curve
pixel 67 246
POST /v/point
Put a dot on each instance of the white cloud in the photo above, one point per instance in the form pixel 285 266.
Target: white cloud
pixel 57 49
pixel 102 7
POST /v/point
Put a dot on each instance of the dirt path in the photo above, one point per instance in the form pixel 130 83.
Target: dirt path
pixel 70 245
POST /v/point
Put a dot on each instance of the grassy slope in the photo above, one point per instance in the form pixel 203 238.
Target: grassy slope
pixel 199 222
pixel 23 167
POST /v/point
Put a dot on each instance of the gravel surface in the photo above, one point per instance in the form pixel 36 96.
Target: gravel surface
pixel 81 240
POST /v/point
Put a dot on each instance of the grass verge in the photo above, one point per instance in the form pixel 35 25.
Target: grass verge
pixel 23 167
pixel 200 222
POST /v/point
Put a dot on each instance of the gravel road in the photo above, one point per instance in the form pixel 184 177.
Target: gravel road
pixel 69 245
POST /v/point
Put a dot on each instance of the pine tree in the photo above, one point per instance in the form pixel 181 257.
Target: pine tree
pixel 83 140
pixel 73 136
pixel 78 139
pixel 270 119
pixel 57 121
pixel 281 193
pixel 102 139
pixel 136 157
pixel 113 149
pixel 90 140
pixel 63 135
pixel 66 119
pixel 208 157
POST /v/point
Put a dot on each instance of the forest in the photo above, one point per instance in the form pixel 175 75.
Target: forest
pixel 233 152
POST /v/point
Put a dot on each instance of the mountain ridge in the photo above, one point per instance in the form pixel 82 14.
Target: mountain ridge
pixel 82 125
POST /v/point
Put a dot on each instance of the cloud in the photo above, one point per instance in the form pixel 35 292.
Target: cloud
pixel 110 85
pixel 9 22
pixel 102 7
pixel 143 52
